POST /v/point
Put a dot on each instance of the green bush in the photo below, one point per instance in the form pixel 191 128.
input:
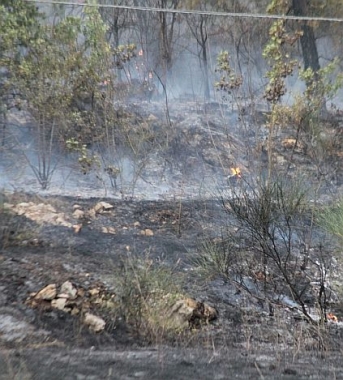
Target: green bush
pixel 148 291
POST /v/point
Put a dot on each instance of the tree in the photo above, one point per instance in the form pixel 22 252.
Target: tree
pixel 117 21
pixel 57 73
pixel 19 26
pixel 166 40
pixel 198 28
pixel 307 39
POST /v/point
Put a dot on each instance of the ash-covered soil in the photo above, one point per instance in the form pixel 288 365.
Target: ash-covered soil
pixel 53 239
pixel 244 342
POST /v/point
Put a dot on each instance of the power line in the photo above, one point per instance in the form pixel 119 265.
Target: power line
pixel 193 12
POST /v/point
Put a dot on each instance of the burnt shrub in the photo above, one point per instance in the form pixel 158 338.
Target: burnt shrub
pixel 268 240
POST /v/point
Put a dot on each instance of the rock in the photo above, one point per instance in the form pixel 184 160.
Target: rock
pixel 147 232
pixel 94 292
pixel 265 361
pixel 68 289
pixel 94 323
pixel 41 213
pixel 22 207
pixel 102 207
pixel 78 214
pixel 281 160
pixel 292 143
pixel 77 228
pixel 181 313
pixel 48 293
pixel 75 311
pixel 91 213
pixel 108 230
pixel 210 313
pixel 136 224
pixel 59 303
pixel 152 117
pixel 190 312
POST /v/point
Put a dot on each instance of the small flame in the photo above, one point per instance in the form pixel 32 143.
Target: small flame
pixel 236 172
pixel 332 317
pixel 140 53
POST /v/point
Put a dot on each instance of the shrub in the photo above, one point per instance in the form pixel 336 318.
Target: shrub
pixel 331 219
pixel 148 291
pixel 267 225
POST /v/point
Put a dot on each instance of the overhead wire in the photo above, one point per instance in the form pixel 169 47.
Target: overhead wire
pixel 190 12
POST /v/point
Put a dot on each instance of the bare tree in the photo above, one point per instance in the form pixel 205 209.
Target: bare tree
pixel 118 22
pixel 198 28
pixel 166 42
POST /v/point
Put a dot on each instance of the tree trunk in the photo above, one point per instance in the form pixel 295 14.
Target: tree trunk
pixel 309 46
pixel 166 38
pixel 203 34
pixel 307 40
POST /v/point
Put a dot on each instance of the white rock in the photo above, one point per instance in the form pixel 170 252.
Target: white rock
pixel 102 207
pixel 59 303
pixel 48 293
pixel 95 323
pixel 147 232
pixel 68 288
pixel 78 214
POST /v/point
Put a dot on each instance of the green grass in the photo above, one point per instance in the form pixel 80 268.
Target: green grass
pixel 331 219
pixel 149 289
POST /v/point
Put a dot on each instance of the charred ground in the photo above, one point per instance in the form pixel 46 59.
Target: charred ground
pixel 45 343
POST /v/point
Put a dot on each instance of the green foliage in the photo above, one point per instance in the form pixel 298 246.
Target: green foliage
pixel 278 6
pixel 124 53
pixel 19 25
pixel 308 113
pixel 148 291
pixel 218 258
pixel 86 160
pixel 331 219
pixel 14 229
pixel 64 77
pixel 229 80
pixel 281 65
pixel 323 84
pixel 277 56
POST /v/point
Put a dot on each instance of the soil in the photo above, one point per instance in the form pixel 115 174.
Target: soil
pixel 246 341
pixel 40 343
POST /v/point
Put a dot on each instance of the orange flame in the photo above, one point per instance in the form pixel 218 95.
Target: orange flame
pixel 332 317
pixel 236 172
